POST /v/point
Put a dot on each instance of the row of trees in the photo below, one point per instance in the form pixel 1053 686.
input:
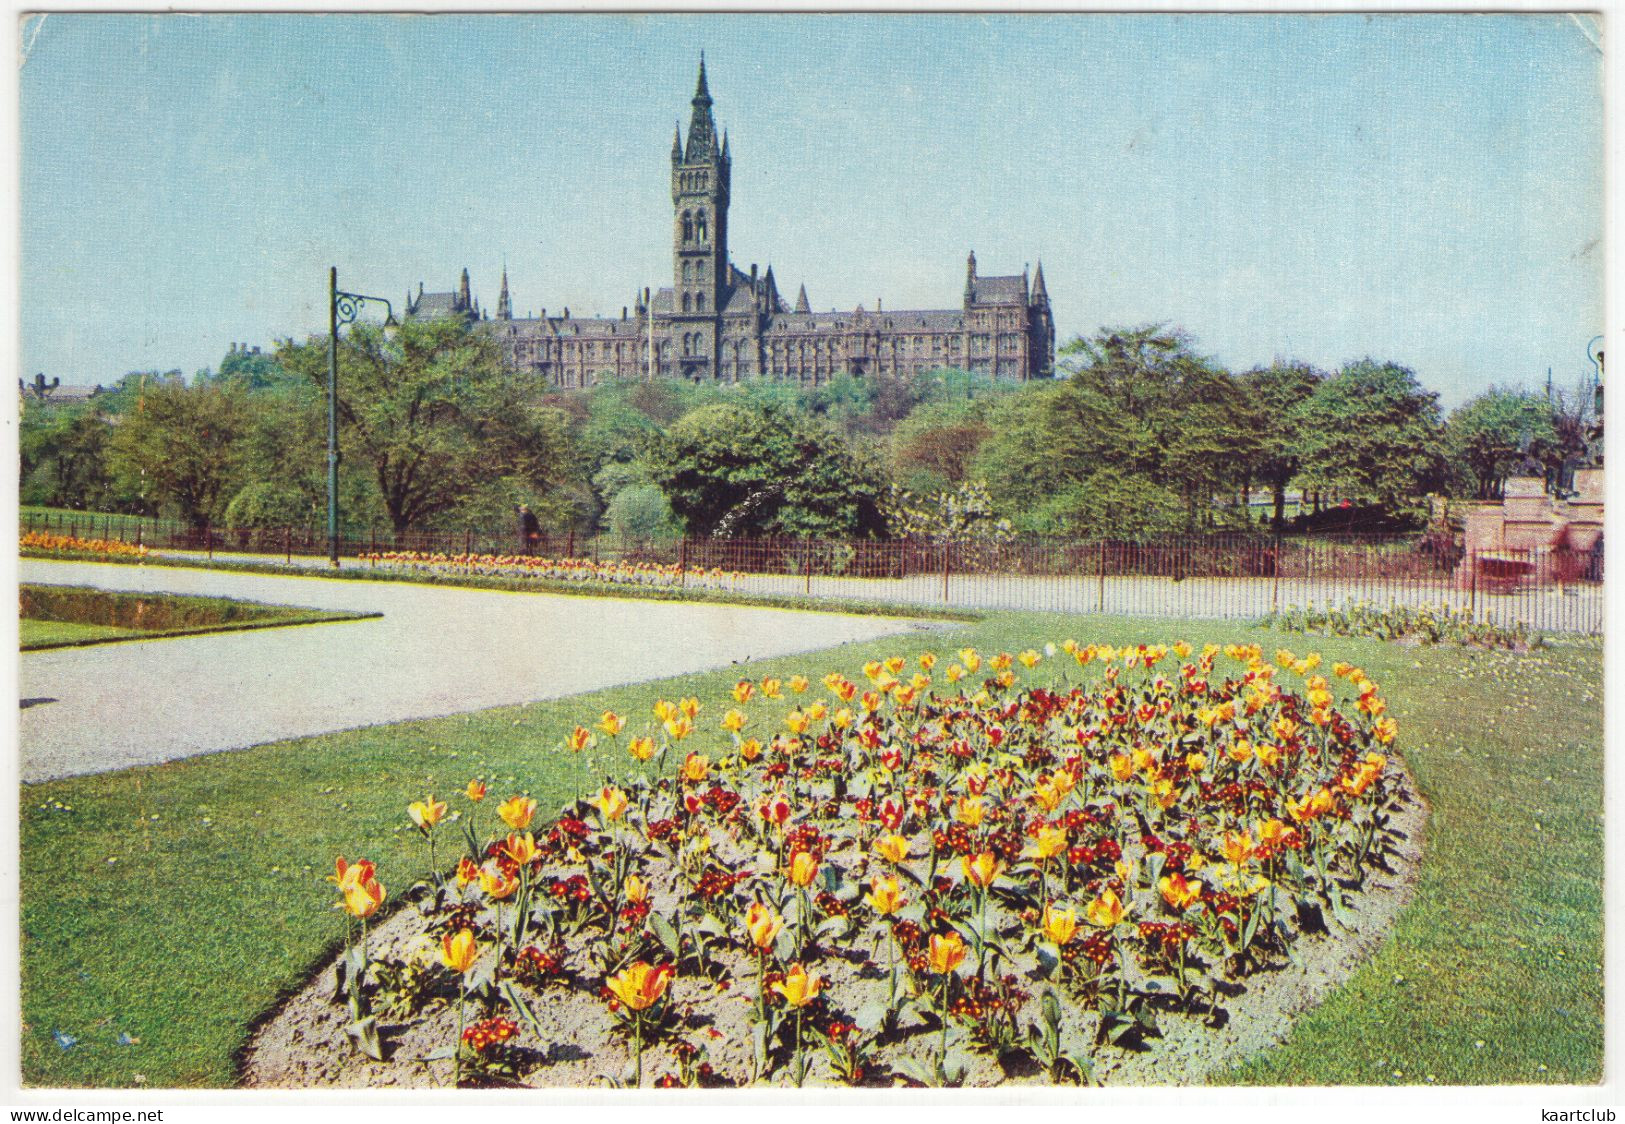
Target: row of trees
pixel 1139 434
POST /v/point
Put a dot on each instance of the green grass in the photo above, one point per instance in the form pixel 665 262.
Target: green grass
pixel 177 903
pixel 56 616
pixel 61 634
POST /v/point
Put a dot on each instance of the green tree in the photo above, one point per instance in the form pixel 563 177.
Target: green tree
pixel 641 511
pixel 63 454
pixel 1496 434
pixel 434 419
pixel 1372 433
pixel 1278 395
pixel 731 469
pixel 182 446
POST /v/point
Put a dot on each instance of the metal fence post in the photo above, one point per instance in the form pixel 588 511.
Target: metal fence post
pixel 947 564
pixel 1100 600
pixel 806 563
pixel 1472 590
pixel 1275 573
pixel 287 545
pixel 682 561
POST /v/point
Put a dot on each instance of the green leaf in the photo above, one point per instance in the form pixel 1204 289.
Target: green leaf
pixel 869 1016
pixel 665 934
pixel 440 1053
pixel 364 1033
pixel 517 1002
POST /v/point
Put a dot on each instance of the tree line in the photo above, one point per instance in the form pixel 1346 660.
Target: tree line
pixel 1139 434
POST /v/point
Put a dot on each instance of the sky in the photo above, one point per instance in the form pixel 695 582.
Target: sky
pixel 1425 189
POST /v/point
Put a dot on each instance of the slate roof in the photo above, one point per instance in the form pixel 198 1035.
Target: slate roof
pixel 999 290
pixel 435 304
pixel 907 320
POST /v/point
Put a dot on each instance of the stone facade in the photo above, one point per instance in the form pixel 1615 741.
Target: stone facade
pixel 717 322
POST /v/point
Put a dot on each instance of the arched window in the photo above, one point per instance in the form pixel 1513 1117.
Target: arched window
pixel 688 227
pixel 699 302
pixel 699 225
pixel 699 269
pixel 687 274
pixel 687 303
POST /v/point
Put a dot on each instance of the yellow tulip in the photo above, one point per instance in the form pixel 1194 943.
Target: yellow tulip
pixel 763 925
pixel 803 868
pixel 733 721
pixel 635 889
pixel 1050 842
pixel 954 673
pixel 1047 795
pixel 690 707
pixel 770 688
pixel 1122 766
pixel 679 728
pixel 841 719
pixel 516 812
pixel 1105 911
pixel 475 791
pixel 797 721
pixel 664 711
pixel 817 711
pixel 892 848
pixel 981 870
pixel 460 951
pixel 798 683
pixel 885 896
pixel 1029 659
pixel 743 690
pixel 466 872
pixel 696 767
pixel 947 952
pixel 579 739
pixel 895 664
pixel 362 897
pixel 611 802
pixel 1060 924
pixel 611 723
pixel 928 660
pixel 1238 847
pixel 641 985
pixel 1196 762
pixel 750 749
pixel 426 813
pixel 799 987
pixel 969 810
pixel 641 748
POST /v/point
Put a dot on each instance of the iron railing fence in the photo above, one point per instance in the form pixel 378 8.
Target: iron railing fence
pixel 1202 576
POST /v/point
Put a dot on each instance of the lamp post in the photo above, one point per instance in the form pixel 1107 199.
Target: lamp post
pixel 342 308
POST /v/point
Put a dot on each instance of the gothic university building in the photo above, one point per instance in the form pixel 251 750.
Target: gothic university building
pixel 718 322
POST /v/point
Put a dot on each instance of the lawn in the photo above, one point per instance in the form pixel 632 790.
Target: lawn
pixel 55 616
pixel 165 908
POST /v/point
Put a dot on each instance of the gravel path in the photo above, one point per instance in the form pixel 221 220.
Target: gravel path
pixel 435 651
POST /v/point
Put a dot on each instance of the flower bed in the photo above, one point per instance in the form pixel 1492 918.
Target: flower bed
pixel 931 873
pixel 553 569
pixel 41 542
pixel 1426 624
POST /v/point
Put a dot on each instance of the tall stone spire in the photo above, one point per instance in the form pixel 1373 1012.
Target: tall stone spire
pixel 702 127
pixel 464 303
pixel 801 301
pixel 677 144
pixel 504 305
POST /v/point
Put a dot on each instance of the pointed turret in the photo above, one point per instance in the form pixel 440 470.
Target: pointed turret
pixel 725 157
pixel 504 305
pixel 1040 294
pixel 464 302
pixel 801 301
pixel 970 279
pixel 677 144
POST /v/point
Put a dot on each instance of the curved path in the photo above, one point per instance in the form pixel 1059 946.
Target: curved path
pixel 437 650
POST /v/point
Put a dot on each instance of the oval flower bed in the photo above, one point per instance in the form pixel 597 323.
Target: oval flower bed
pixel 928 873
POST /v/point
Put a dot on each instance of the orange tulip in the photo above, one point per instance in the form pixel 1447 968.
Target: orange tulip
pixel 750 749
pixel 928 660
pixel 496 885
pixel 679 728
pixel 361 897
pixel 771 688
pixel 345 873
pixel 1050 842
pixel 798 683
pixel 743 690
pixel 460 951
pixel 641 985
pixel 690 707
pixel 696 767
pixel 797 721
pixel 1238 847
pixel 1122 766
pixel 947 952
pixel 579 739
pixel 733 721
pixel 641 748
pixel 520 848
pixel 475 791
pixel 969 810
pixel 466 871
pixel 800 987
pixel 516 812
pixel 636 889
pixel 611 723
pixel 1179 893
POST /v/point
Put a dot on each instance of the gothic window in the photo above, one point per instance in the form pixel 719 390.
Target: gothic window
pixel 688 227
pixel 687 272
pixel 688 303
pixel 699 269
pixel 699 302
pixel 699 225
pixel 686 338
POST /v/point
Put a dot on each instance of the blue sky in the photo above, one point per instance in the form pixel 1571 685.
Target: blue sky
pixel 1426 189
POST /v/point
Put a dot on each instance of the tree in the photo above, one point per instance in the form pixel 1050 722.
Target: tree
pixel 1371 432
pixel 732 469
pixel 934 446
pixel 434 418
pixel 640 511
pixel 64 457
pixel 181 445
pixel 1498 433
pixel 1278 394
